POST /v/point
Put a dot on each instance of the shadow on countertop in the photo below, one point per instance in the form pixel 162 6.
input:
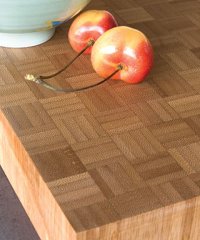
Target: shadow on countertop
pixel 14 223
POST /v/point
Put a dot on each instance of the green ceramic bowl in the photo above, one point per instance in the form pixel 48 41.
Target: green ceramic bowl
pixel 25 23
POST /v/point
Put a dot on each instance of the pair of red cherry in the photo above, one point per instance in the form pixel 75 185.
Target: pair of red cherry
pixel 115 47
pixel 117 52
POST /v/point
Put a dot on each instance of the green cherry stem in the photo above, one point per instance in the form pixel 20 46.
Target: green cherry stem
pixel 40 81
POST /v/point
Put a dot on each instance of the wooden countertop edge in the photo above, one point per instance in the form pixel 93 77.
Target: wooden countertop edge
pixel 29 186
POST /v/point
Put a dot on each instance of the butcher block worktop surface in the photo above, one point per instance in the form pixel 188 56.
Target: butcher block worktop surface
pixel 118 162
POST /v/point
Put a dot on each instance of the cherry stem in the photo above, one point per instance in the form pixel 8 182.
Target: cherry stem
pixel 40 81
pixel 90 43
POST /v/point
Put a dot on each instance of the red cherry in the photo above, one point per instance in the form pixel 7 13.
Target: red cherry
pixel 125 47
pixel 89 25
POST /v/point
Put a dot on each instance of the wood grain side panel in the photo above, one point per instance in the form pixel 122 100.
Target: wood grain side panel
pixel 176 222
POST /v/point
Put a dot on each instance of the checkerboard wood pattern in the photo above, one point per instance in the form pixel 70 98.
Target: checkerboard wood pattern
pixel 119 161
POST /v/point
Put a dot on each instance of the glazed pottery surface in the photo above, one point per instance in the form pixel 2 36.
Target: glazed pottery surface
pixel 27 23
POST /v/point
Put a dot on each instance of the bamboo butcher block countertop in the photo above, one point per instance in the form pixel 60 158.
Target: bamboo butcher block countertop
pixel 118 162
